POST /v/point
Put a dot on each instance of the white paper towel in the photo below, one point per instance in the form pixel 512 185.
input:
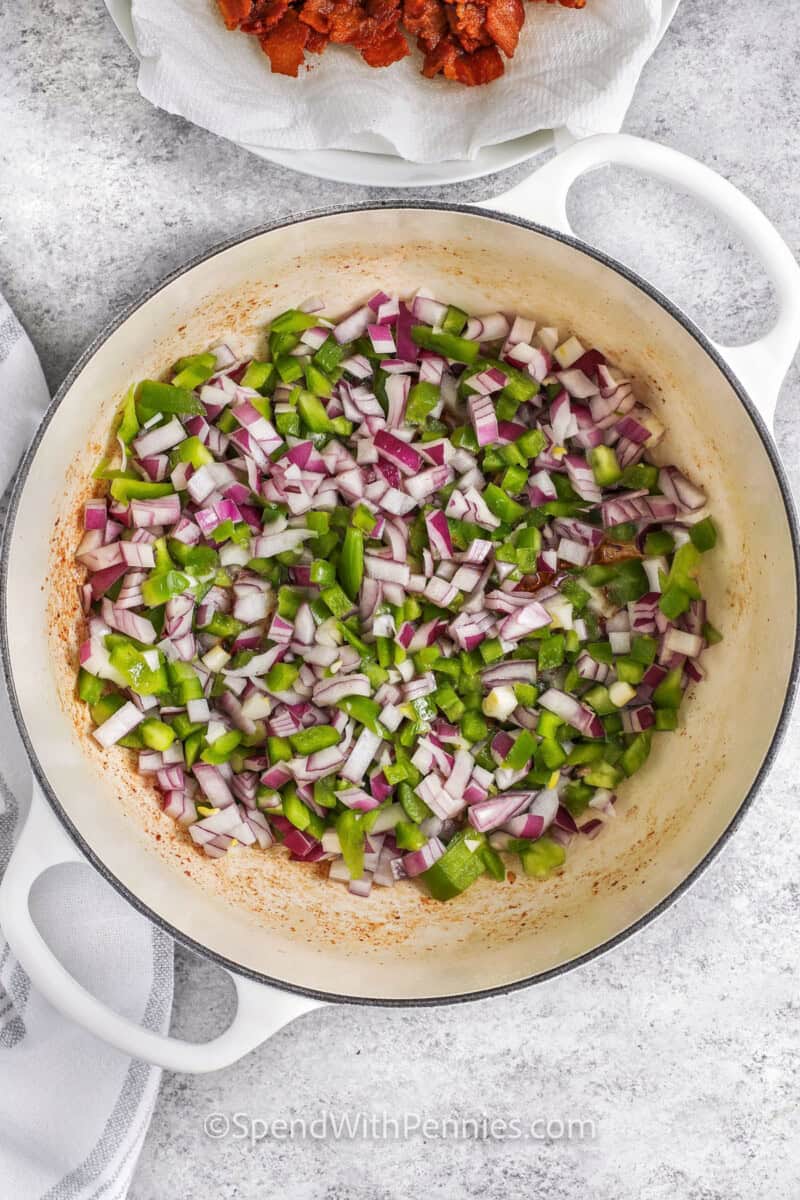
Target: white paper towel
pixel 574 69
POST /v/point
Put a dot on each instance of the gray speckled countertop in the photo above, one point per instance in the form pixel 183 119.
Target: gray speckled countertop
pixel 681 1045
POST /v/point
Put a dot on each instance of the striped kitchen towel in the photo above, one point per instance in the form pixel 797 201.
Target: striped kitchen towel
pixel 73 1112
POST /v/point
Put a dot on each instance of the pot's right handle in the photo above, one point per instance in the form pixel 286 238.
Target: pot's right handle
pixel 761 365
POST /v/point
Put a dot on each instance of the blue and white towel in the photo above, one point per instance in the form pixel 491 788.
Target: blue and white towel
pixel 73 1112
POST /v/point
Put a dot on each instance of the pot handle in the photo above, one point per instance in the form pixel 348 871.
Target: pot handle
pixel 761 365
pixel 261 1010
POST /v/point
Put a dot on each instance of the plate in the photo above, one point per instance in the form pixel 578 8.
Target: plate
pixel 376 170
pixel 386 170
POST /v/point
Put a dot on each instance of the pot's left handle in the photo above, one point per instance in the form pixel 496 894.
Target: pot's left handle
pixel 761 365
pixel 261 1010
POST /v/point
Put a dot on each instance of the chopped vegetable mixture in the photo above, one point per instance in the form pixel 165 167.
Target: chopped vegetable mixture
pixel 407 595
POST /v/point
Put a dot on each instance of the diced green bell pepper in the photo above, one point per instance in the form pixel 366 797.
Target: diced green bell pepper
pixel 409 836
pixel 576 797
pixel 312 410
pixel 194 370
pixel 658 543
pixel 551 652
pixel 502 505
pixel 422 399
pixel 542 857
pixel 279 750
pixel 258 375
pixel 350 568
pixel 153 397
pixel 704 535
pixel 337 600
pixel 449 345
pixel 629 671
pixel 318 737
pixel 605 467
pixel 90 688
pixel 157 735
pixel 281 676
pixel 548 724
pixel 222 748
pixel 132 665
pixel 669 692
pixel 640 475
pixel 106 706
pixel 124 490
pixel 192 747
pixel 495 867
pixel 317 382
pixel 364 710
pixel 351 831
pixel 531 443
pixel 193 451
pixel 129 423
pixel 415 809
pixel 666 719
pixel 637 753
pixel 643 649
pixel 329 355
pixel 294 320
pixel 455 320
pixel 474 726
pixel 161 586
pixel 674 601
pixel 460 865
pixel 184 681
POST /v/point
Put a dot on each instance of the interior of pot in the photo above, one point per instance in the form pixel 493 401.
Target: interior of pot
pixel 283 919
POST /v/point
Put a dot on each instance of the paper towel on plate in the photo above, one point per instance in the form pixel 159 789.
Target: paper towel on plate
pixel 575 69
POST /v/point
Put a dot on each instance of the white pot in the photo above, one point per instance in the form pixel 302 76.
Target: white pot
pixel 291 940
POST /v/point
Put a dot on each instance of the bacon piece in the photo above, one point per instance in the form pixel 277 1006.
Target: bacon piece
pixel 441 60
pixel 265 17
pixel 484 66
pixel 426 20
pixel 388 49
pixel 316 41
pixel 317 14
pixel 345 21
pixel 468 22
pixel 504 20
pixel 234 11
pixel 285 44
pixel 615 552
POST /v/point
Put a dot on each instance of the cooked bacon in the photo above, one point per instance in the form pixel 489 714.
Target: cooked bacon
pixel 234 11
pixel 460 39
pixel 345 21
pixel 504 20
pixel 382 52
pixel 316 41
pixel 468 22
pixel 317 14
pixel 426 20
pixel 285 44
pixel 266 18
pixel 483 66
pixel 441 60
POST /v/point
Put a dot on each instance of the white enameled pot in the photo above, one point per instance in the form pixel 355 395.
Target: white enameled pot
pixel 290 940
